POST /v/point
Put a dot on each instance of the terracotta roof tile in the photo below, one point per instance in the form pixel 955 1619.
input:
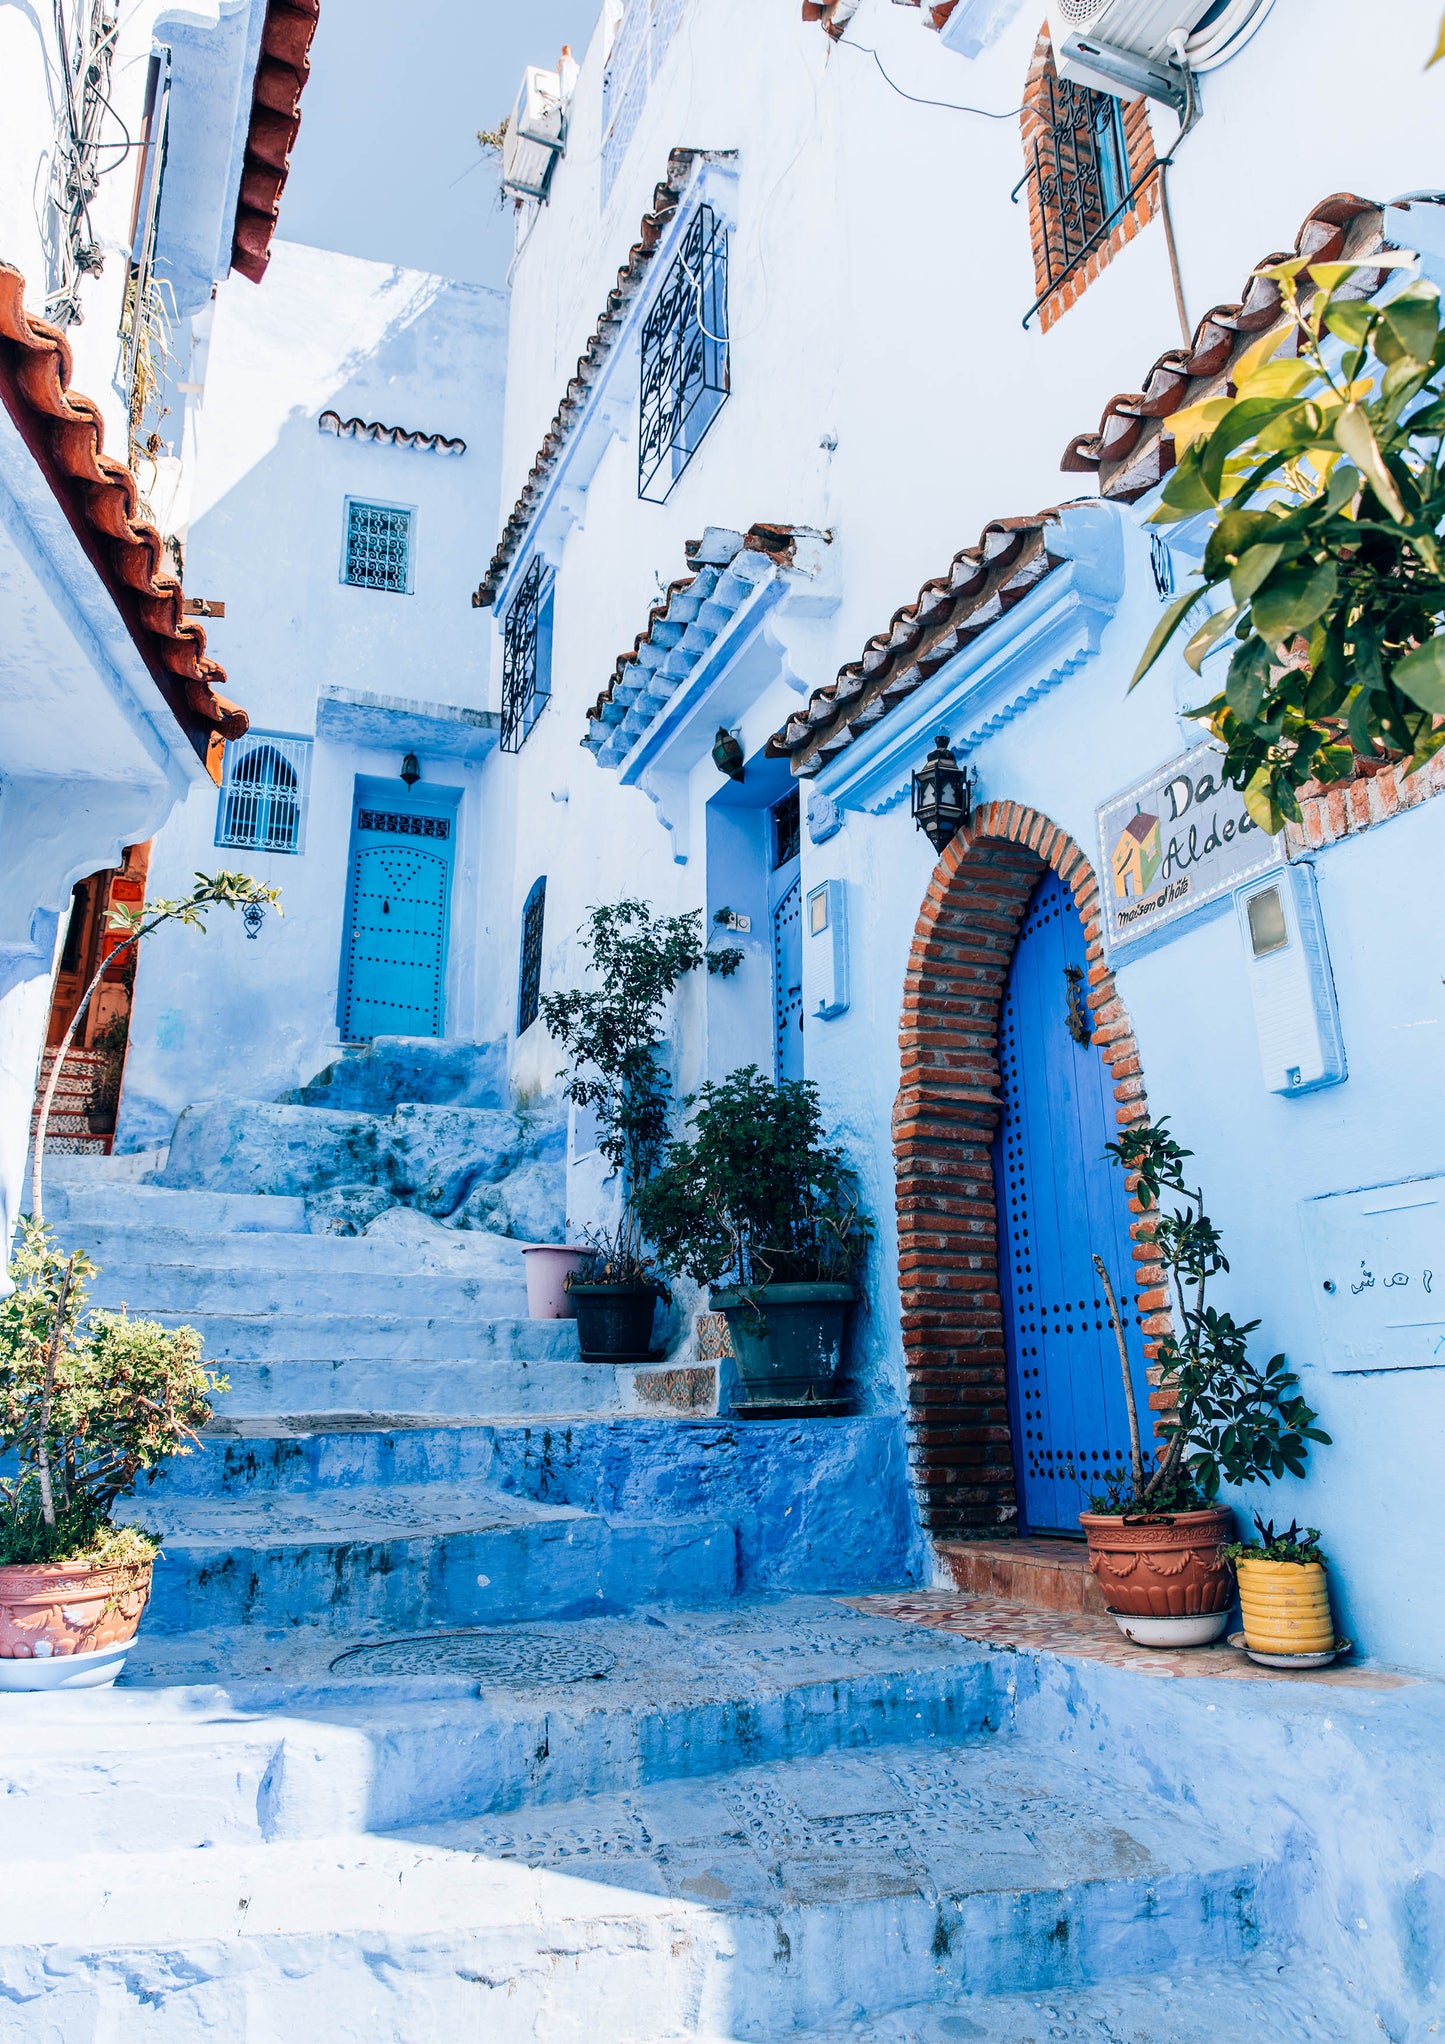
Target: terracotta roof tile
pixel 836 14
pixel 1130 451
pixel 666 198
pixel 98 494
pixel 681 610
pixel 281 73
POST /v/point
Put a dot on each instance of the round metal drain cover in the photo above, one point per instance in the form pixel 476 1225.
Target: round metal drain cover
pixel 489 1656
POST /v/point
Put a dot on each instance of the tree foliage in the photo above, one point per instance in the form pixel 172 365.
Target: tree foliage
pixel 1233 1421
pixel 87 1402
pixel 611 1034
pixel 1326 469
pixel 755 1196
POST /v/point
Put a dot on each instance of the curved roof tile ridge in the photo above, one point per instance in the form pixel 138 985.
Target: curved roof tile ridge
pixel 281 73
pixel 99 496
pixel 396 436
pixel 1130 453
pixel 666 199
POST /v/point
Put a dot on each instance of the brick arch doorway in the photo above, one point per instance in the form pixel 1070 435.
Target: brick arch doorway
pixel 945 1123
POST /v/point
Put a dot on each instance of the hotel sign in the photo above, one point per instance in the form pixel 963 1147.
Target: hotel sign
pixel 1173 842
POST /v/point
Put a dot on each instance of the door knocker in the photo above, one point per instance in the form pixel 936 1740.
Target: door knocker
pixel 1077 1018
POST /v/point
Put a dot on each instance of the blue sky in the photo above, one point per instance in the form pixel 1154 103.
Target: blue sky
pixel 387 164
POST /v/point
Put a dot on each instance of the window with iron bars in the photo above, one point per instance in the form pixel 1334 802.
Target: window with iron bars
pixel 685 364
pixel 378 547
pixel 527 655
pixel 529 978
pixel 263 795
pixel 1080 178
pixel 638 49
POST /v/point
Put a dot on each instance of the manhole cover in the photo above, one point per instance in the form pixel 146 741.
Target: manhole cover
pixel 489 1656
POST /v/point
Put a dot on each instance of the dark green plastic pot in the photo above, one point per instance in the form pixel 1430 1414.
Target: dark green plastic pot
pixel 796 1354
pixel 614 1322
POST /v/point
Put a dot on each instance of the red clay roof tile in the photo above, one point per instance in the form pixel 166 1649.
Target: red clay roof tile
pixel 281 73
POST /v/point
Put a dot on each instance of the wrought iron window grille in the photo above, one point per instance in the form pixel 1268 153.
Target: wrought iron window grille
pixel 787 829
pixel 378 547
pixel 529 978
pixel 263 795
pixel 527 655
pixel 403 823
pixel 634 60
pixel 1079 175
pixel 685 357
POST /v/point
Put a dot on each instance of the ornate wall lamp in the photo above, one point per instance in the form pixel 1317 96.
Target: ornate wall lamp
pixel 410 770
pixel 727 755
pixel 942 794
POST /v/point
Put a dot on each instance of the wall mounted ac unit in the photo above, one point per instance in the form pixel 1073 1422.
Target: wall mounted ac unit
pixel 1131 47
pixel 536 134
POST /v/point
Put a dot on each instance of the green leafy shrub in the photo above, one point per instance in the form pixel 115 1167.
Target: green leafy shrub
pixel 1233 1421
pixel 755 1196
pixel 611 1034
pixel 1296 1543
pixel 1326 469
pixel 87 1402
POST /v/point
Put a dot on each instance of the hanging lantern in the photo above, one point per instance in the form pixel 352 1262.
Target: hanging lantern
pixel 410 771
pixel 942 794
pixel 727 755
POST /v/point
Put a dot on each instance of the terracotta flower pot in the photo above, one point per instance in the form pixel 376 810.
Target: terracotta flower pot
pixel 1286 1607
pixel 66 1624
pixel 1168 1566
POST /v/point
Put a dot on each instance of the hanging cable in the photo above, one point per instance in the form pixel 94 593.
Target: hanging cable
pixel 948 105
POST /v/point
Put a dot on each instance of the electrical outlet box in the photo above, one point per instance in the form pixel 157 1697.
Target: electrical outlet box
pixel 1296 1015
pixel 825 924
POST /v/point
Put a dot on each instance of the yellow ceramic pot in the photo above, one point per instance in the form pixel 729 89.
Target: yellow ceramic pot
pixel 1286 1607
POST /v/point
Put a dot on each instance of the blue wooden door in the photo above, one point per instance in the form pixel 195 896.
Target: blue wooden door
pixel 1059 1200
pixel 394 966
pixel 788 981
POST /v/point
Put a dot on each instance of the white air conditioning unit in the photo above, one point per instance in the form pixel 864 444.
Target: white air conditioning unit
pixel 1133 47
pixel 536 134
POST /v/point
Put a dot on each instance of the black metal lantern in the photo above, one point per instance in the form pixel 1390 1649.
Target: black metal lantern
pixel 727 755
pixel 942 794
pixel 410 771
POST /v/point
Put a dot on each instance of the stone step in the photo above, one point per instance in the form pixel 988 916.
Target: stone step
pixel 192 1291
pixel 136 1250
pixel 503 1386
pixel 1270 1995
pixel 264 1337
pixel 88 1205
pixel 736 1905
pixel 226 1737
pixel 320 1452
pixel 1042 1575
pixel 415 1555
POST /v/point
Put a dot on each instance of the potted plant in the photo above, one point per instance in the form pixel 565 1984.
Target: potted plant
pixel 755 1204
pixel 1284 1597
pixel 87 1401
pixel 1157 1535
pixel 611 1033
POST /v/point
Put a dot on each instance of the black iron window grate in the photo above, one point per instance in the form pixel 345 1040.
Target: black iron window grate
pixel 378 548
pixel 787 829
pixel 526 656
pixel 1079 177
pixel 404 823
pixel 685 365
pixel 264 797
pixel 529 980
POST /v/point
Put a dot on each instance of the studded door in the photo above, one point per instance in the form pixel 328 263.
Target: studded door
pixel 393 975
pixel 788 983
pixel 1059 1200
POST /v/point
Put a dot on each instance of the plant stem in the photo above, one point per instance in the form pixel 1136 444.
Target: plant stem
pixel 1136 1451
pixel 52 1358
pixel 43 1120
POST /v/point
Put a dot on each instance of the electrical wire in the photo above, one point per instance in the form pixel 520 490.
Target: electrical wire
pixel 948 105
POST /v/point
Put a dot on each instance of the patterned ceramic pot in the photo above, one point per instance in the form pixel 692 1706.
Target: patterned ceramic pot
pixel 1286 1607
pixel 53 1611
pixel 1170 1566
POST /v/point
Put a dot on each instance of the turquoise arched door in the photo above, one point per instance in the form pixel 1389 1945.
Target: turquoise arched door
pixel 1060 1200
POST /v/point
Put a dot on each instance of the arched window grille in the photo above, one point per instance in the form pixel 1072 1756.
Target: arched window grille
pixel 263 798
pixel 529 979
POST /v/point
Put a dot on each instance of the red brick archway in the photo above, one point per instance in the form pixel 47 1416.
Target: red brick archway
pixel 943 1124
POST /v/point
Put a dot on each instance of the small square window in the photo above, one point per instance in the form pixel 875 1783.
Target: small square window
pixel 378 547
pixel 1268 930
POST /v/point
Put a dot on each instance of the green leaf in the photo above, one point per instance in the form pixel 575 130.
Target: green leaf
pixel 1259 800
pixel 1293 599
pixel 1421 676
pixel 1163 632
pixel 1253 567
pixel 1185 492
pixel 1413 317
pixel 1240 423
pixel 1356 436
pixel 1211 630
pixel 1248 677
pixel 1351 319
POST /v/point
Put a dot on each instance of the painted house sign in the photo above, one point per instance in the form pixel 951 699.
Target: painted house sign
pixel 1173 842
